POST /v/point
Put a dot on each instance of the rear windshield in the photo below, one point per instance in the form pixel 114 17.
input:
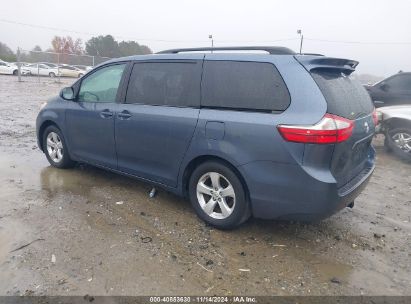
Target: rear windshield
pixel 345 96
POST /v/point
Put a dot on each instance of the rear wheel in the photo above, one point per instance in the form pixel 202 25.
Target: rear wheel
pixel 218 196
pixel 15 72
pixel 54 146
pixel 399 141
pixel 52 75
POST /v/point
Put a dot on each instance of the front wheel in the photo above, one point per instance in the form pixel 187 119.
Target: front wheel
pixel 54 146
pixel 398 140
pixel 15 72
pixel 52 75
pixel 218 196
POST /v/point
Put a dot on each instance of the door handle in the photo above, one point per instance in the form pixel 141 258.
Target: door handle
pixel 124 114
pixel 106 113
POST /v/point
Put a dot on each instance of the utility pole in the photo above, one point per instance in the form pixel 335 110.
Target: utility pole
pixel 212 42
pixel 301 40
pixel 18 64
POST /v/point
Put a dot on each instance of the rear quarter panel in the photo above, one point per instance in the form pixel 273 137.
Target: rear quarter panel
pixel 253 136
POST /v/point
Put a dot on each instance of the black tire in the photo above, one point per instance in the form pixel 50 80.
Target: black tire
pixel 386 144
pixel 15 72
pixel 52 75
pixel 241 211
pixel 392 146
pixel 65 161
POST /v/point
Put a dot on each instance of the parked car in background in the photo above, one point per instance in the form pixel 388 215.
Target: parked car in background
pixel 23 64
pixel 394 90
pixel 11 69
pixel 84 67
pixel 49 64
pixel 70 71
pixel 395 124
pixel 234 132
pixel 42 70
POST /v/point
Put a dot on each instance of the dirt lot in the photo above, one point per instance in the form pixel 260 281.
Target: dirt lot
pixel 86 231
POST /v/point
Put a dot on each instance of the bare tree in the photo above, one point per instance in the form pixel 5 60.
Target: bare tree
pixel 67 45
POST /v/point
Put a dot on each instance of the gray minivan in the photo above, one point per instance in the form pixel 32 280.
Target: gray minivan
pixel 272 135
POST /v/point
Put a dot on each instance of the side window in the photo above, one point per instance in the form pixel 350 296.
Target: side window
pixel 243 86
pixel 400 82
pixel 102 85
pixel 1 63
pixel 165 83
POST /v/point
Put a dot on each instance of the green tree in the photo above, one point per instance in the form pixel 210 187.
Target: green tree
pixel 37 48
pixel 6 53
pixel 128 48
pixel 104 46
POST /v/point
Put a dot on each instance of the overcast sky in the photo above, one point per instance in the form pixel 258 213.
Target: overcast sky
pixel 377 33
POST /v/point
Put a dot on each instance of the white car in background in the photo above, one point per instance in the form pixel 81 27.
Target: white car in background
pixel 40 69
pixel 395 124
pixel 85 68
pixel 11 69
pixel 71 71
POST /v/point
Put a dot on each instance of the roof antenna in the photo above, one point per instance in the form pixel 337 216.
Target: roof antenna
pixel 299 32
pixel 212 42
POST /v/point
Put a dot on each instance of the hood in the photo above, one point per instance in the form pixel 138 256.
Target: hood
pixel 403 111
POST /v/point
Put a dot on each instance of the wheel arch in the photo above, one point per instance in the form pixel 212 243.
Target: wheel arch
pixel 42 128
pixel 195 162
pixel 393 123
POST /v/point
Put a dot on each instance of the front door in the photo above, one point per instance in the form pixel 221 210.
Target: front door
pixel 90 120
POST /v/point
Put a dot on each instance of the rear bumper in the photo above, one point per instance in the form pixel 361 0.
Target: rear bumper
pixel 285 191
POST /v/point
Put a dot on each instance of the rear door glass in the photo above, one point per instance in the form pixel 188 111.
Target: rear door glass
pixel 165 84
pixel 243 86
pixel 345 96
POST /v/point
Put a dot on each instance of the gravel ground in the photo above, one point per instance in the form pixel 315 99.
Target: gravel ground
pixel 87 231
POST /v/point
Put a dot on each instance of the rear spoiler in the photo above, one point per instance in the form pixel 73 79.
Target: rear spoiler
pixel 312 63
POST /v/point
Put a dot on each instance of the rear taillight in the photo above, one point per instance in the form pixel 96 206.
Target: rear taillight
pixel 330 129
pixel 375 117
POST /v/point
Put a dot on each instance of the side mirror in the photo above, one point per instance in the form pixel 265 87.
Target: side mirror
pixel 67 93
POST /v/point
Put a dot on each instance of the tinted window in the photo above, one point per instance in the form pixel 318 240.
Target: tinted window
pixel 400 82
pixel 244 85
pixel 165 83
pixel 345 96
pixel 102 85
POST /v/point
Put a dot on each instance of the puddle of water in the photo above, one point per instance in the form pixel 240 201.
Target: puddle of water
pixel 11 235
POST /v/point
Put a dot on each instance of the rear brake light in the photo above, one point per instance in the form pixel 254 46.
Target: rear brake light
pixel 330 129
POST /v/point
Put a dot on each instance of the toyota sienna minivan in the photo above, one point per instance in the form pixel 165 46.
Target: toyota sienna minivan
pixel 265 132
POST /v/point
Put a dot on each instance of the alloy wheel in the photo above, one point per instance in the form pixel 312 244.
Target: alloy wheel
pixel 216 195
pixel 403 141
pixel 54 147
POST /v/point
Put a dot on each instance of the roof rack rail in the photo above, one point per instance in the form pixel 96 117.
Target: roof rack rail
pixel 311 54
pixel 273 50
